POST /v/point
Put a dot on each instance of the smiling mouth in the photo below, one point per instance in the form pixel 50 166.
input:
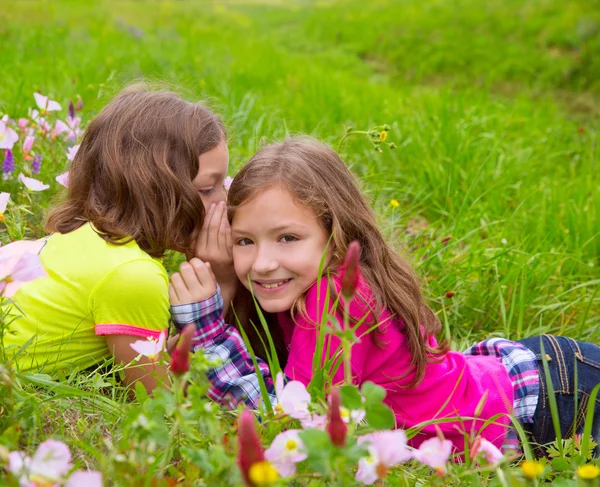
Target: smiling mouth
pixel 272 285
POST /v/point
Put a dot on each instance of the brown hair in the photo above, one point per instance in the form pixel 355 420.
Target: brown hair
pixel 132 175
pixel 318 179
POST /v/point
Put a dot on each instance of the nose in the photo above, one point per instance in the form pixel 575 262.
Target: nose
pixel 264 262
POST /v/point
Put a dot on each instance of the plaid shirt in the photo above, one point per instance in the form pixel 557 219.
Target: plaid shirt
pixel 234 378
pixel 520 363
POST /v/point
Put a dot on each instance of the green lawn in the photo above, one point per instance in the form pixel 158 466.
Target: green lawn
pixel 493 107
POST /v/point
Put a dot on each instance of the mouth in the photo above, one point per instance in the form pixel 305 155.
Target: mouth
pixel 271 284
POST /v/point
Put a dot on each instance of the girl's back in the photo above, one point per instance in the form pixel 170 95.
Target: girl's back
pixel 93 288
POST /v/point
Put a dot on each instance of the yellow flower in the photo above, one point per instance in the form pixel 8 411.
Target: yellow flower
pixel 263 473
pixel 395 203
pixel 588 472
pixel 382 135
pixel 532 470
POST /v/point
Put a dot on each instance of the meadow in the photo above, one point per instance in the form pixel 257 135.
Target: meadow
pixel 487 180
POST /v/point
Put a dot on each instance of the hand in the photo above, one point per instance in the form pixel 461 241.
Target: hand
pixel 214 245
pixel 193 283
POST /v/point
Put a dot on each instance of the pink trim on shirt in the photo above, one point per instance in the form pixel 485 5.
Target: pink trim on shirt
pixel 135 331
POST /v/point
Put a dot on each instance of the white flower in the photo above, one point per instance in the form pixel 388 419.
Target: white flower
pixel 4 197
pixel 48 466
pixel 8 137
pixel 435 453
pixel 386 449
pixel 32 184
pixel 285 452
pixel 44 103
pixel 63 179
pixel 292 399
pixel 150 347
pixel 72 151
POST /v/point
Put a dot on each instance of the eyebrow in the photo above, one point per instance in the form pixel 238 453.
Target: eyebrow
pixel 277 229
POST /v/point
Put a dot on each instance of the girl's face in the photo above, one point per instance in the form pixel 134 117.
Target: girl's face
pixel 211 174
pixel 279 245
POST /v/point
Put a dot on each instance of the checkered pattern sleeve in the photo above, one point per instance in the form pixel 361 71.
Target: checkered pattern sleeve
pixel 520 363
pixel 234 379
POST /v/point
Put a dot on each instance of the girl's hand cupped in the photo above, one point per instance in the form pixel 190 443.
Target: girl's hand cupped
pixel 214 244
pixel 193 283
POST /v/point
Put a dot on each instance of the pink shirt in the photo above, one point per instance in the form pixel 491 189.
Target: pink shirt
pixel 453 387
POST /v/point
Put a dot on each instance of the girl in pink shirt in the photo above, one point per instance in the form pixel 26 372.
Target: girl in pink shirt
pixel 294 209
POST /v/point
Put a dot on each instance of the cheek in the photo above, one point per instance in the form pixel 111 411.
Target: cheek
pixel 241 264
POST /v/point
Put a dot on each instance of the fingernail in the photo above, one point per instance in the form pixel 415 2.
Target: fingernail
pixel 221 204
pixel 212 205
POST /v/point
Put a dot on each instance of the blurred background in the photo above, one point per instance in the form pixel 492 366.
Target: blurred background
pixel 493 187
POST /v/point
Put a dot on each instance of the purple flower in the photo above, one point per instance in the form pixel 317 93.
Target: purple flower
pixel 36 164
pixel 8 165
pixel 71 109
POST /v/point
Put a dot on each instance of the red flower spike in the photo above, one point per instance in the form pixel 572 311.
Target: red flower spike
pixel 336 427
pixel 180 358
pixel 250 450
pixel 350 271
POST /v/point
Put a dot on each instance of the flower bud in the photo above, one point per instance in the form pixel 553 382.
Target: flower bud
pixel 336 427
pixel 350 272
pixel 250 450
pixel 180 358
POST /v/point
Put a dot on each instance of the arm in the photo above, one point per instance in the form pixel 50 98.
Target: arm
pixel 235 378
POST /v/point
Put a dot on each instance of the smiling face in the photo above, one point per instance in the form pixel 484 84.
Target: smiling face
pixel 279 245
pixel 211 174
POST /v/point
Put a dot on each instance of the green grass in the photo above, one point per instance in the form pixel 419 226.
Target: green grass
pixel 493 107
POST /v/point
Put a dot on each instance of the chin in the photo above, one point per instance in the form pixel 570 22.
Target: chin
pixel 274 306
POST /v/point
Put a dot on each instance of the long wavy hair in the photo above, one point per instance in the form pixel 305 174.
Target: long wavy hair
pixel 318 179
pixel 132 175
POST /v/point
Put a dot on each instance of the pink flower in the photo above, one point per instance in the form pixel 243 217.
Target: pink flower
pixel 63 179
pixel 44 103
pixel 18 269
pixel 355 416
pixel 28 144
pixel 316 421
pixel 83 478
pixel 285 452
pixel 72 152
pixel 486 450
pixel 350 271
pixel 435 453
pixel 150 347
pixel 32 184
pixel 8 137
pixel 22 123
pixel 292 399
pixel 60 127
pixel 4 197
pixel 49 465
pixel 227 183
pixel 336 427
pixel 386 449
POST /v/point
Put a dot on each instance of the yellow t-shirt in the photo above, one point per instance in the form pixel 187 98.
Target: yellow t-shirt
pixel 93 288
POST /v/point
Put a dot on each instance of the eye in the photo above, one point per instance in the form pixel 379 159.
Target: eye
pixel 288 238
pixel 206 192
pixel 242 242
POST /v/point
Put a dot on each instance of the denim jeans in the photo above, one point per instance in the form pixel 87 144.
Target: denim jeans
pixel 562 354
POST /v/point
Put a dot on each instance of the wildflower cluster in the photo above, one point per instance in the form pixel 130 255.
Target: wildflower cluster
pixel 25 141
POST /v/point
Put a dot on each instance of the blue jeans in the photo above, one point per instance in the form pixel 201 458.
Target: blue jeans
pixel 562 354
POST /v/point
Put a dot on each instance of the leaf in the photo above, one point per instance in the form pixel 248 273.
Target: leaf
pixel 318 448
pixel 351 398
pixel 373 394
pixel 140 392
pixel 380 417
